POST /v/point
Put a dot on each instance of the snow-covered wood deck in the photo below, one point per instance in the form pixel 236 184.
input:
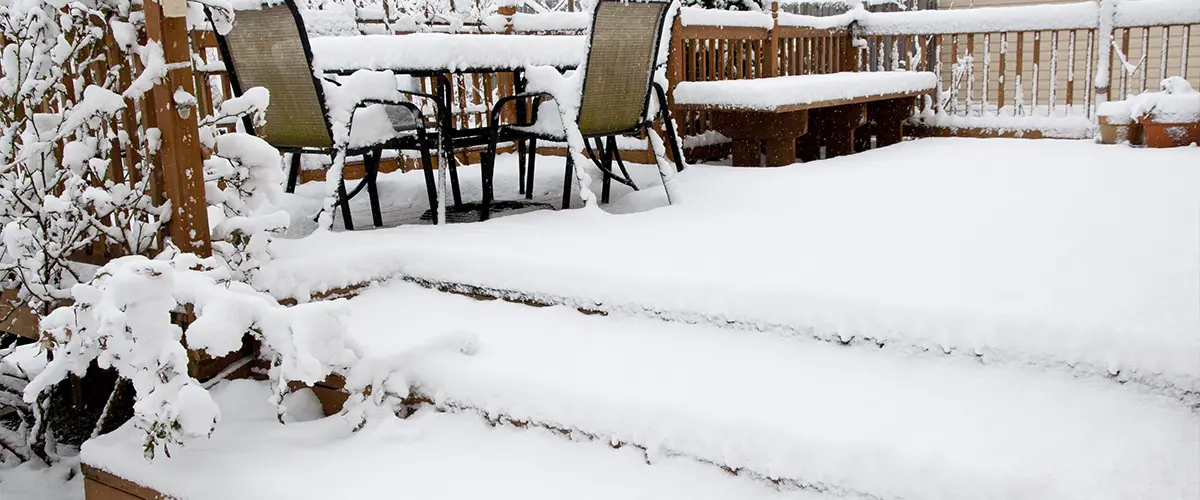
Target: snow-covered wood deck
pixel 895 324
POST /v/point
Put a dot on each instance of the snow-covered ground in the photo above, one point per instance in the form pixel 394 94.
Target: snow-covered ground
pixel 1062 254
pixel 939 319
pixel 430 456
pixel 689 398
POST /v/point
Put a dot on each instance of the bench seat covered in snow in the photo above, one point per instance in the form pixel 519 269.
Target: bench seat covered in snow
pixel 772 113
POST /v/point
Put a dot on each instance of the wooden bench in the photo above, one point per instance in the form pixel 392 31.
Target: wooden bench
pixel 781 114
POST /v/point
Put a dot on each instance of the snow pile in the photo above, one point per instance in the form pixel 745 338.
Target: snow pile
pixel 999 250
pixel 333 20
pixel 1081 15
pixel 1156 12
pixel 695 16
pixel 783 91
pixel 429 455
pixel 1177 102
pixel 445 52
pixel 1011 120
pixel 551 21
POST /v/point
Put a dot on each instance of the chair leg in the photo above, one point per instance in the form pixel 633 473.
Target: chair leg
pixel 669 127
pixel 344 204
pixel 520 166
pixel 529 173
pixel 293 173
pixel 371 162
pixel 605 153
pixel 454 180
pixel 567 177
pixel 427 166
pixel 654 146
pixel 487 166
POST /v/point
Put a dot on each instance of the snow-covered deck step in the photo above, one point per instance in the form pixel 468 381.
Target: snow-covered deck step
pixel 430 456
pixel 873 422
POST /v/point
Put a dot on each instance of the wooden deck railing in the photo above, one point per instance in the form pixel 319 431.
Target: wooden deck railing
pixel 1019 69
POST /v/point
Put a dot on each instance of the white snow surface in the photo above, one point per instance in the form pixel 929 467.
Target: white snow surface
pixel 1008 250
pixel 1079 15
pixel 696 16
pixel 551 21
pixel 780 91
pixel 850 421
pixel 872 422
pixel 1156 12
pixel 30 481
pixel 430 455
pixel 446 52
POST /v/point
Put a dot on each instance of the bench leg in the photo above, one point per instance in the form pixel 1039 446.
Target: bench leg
pixel 808 147
pixel 889 119
pixel 780 152
pixel 862 138
pixel 839 125
pixel 747 153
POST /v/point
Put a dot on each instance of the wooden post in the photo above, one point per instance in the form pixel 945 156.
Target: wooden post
pixel 1104 41
pixel 179 149
pixel 771 60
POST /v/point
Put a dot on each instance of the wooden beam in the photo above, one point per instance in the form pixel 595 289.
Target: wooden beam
pixel 179 149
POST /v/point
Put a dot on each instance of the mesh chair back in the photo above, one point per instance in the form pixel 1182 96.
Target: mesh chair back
pixel 267 48
pixel 620 66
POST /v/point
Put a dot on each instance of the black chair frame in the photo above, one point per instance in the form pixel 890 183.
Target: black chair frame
pixel 421 141
pixel 603 157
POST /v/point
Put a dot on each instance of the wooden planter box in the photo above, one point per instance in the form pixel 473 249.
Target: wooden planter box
pixel 1117 133
pixel 1169 135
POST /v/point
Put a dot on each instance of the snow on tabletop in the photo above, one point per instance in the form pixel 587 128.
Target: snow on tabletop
pixel 1005 251
pixel 442 51
pixel 1157 12
pixel 775 92
pixel 696 16
pixel 334 20
pixel 434 456
pixel 886 424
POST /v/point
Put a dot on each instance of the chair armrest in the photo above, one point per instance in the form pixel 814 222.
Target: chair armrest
pixel 416 110
pixel 495 116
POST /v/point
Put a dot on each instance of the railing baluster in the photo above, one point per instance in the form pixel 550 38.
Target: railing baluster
pixel 1183 54
pixel 987 71
pixel 1125 56
pixel 1019 89
pixel 1166 44
pixel 1003 72
pixel 1037 66
pixel 1053 100
pixel 1071 72
pixel 1089 88
pixel 1144 67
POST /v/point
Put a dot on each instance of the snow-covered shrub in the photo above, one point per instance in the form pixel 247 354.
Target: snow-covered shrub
pixel 63 185
pixel 123 320
pixel 243 183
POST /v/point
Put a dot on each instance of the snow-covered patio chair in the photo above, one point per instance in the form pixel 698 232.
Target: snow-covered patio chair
pixel 614 98
pixel 268 47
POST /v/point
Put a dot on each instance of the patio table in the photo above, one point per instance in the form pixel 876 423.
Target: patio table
pixel 439 54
